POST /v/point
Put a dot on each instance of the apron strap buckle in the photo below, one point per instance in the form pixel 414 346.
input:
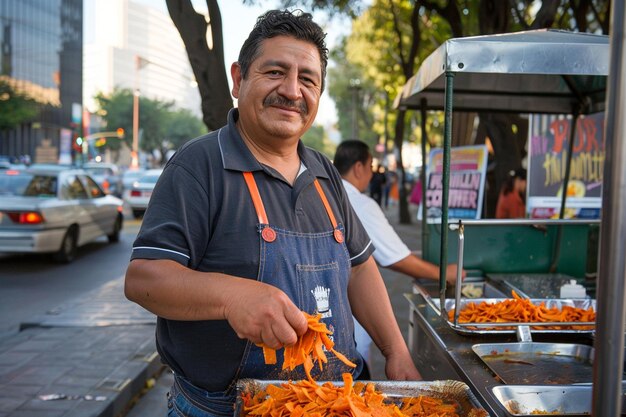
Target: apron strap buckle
pixel 338 236
pixel 268 234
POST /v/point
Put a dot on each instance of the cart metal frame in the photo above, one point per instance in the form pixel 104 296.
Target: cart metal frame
pixel 546 71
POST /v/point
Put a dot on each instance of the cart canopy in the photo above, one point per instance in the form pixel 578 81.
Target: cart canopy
pixel 539 71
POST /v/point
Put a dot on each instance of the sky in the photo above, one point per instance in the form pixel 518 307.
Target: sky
pixel 242 18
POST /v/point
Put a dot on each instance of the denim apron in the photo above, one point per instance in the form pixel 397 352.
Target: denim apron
pixel 313 269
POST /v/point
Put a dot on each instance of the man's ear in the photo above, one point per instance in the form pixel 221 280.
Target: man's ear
pixel 357 169
pixel 235 73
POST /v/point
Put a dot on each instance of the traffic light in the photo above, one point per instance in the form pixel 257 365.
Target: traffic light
pixel 77 143
pixel 120 132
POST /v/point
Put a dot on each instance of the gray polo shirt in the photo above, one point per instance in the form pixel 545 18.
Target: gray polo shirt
pixel 202 216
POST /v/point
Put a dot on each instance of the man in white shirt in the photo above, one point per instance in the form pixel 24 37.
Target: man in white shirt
pixel 353 160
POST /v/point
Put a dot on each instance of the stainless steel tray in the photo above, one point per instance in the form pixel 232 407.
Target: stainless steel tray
pixel 564 400
pixel 538 363
pixel 502 328
pixel 454 391
pixel 535 285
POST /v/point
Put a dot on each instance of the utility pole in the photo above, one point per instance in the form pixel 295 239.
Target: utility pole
pixel 355 86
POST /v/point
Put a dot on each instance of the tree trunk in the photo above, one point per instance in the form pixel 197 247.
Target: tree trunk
pixel 207 64
pixel 493 16
pixel 546 14
pixel 408 65
pixel 403 204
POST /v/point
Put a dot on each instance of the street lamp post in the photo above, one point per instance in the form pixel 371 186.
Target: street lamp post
pixel 141 62
pixel 134 162
pixel 355 86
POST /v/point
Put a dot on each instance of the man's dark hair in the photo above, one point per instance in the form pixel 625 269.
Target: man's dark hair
pixel 273 23
pixel 348 153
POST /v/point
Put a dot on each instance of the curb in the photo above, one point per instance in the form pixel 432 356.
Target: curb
pixel 90 357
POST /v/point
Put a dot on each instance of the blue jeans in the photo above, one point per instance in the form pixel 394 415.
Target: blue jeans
pixel 186 400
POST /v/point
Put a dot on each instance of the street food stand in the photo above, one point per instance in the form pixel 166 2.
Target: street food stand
pixel 548 72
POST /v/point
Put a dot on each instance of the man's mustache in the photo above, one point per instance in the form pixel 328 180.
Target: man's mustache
pixel 276 100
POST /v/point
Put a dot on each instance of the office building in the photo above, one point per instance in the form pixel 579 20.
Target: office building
pixel 41 58
pixel 131 45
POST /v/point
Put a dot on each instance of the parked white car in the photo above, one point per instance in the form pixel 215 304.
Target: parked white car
pixel 55 210
pixel 138 195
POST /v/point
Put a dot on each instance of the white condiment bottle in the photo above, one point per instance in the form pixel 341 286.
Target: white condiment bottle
pixel 573 290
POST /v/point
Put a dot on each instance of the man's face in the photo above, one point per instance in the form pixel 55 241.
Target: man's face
pixel 280 96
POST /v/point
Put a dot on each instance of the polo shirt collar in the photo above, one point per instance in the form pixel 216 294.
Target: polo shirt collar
pixel 349 187
pixel 236 155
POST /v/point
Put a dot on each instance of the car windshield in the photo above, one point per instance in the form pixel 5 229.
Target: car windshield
pixel 133 174
pixel 99 171
pixel 27 185
pixel 149 179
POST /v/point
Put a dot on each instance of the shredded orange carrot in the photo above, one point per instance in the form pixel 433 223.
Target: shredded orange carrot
pixel 308 349
pixel 308 399
pixel 522 310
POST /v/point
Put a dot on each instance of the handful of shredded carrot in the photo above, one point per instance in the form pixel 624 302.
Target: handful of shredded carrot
pixel 522 310
pixel 308 399
pixel 308 349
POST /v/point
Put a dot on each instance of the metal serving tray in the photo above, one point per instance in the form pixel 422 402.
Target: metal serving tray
pixel 453 391
pixel 564 400
pixel 538 363
pixel 502 328
pixel 535 285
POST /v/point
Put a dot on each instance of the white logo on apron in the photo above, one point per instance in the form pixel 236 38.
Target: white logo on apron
pixel 321 295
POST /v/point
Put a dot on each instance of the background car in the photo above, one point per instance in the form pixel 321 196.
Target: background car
pixel 54 211
pixel 108 176
pixel 130 176
pixel 138 195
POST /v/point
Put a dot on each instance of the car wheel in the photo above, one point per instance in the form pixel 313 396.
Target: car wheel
pixel 115 234
pixel 69 247
pixel 138 213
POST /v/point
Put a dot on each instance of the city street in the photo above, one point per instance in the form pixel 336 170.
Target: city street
pixel 33 285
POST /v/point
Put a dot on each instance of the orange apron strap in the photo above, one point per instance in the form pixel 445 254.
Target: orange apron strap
pixel 256 197
pixel 329 211
pixel 337 233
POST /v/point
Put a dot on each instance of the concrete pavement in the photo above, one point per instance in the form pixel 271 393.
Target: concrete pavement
pixel 97 355
pixel 94 355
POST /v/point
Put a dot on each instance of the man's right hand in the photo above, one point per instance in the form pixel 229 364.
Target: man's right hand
pixel 264 314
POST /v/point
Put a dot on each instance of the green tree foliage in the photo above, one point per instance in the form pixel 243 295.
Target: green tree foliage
pixel 317 139
pixel 181 126
pixel 15 108
pixel 354 98
pixel 161 126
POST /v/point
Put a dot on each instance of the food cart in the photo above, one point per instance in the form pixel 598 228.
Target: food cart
pixel 549 72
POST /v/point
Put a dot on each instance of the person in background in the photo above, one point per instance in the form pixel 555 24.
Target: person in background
pixel 512 198
pixel 353 160
pixel 247 229
pixel 416 192
pixel 377 184
pixel 392 191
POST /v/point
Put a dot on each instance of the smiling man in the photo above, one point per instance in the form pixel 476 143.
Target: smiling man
pixel 247 229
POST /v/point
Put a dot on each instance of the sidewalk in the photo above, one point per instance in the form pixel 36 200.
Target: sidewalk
pixel 95 353
pixel 98 353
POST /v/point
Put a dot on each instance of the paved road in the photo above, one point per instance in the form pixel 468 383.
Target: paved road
pixel 34 284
